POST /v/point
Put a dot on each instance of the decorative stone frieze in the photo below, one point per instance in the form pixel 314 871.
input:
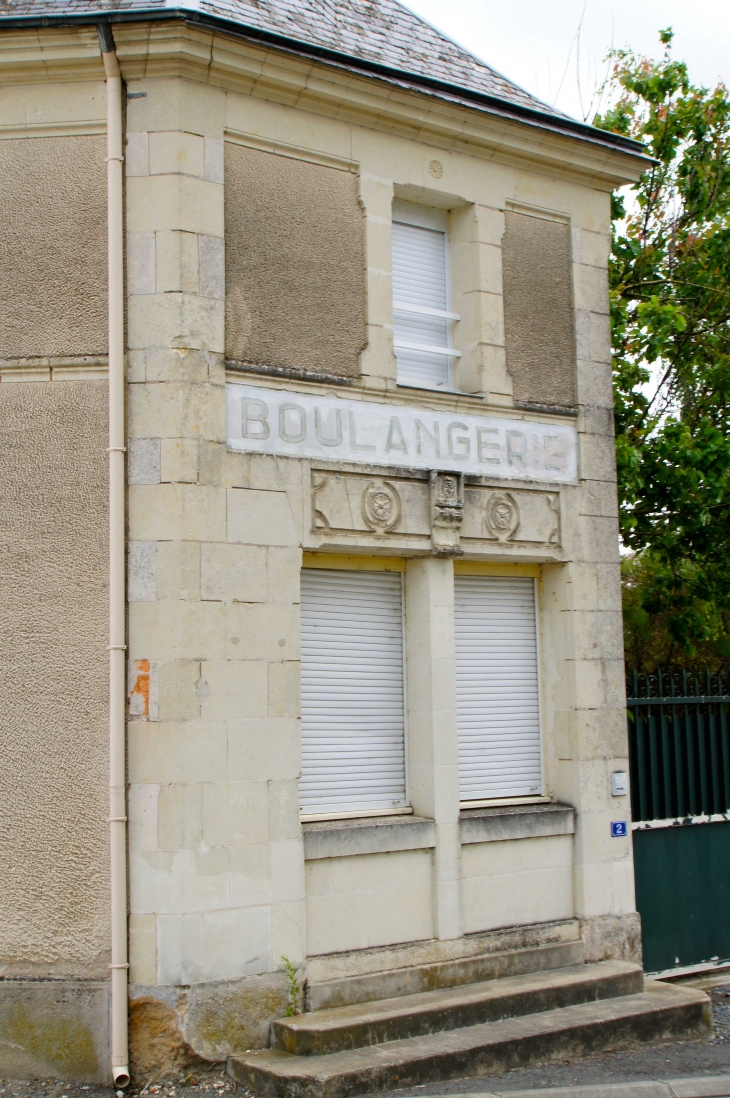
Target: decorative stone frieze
pixel 524 515
pixel 346 503
pixel 443 514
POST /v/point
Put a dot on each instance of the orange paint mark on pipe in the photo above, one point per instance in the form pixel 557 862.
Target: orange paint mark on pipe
pixel 139 695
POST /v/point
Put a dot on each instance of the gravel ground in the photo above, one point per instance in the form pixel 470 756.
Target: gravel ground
pixel 211 1083
pixel 662 1061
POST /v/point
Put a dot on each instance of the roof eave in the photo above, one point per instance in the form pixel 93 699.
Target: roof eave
pixel 493 104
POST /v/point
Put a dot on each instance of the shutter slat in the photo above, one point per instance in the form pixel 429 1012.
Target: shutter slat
pixel 353 710
pixel 497 690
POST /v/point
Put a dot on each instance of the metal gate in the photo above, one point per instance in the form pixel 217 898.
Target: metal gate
pixel 679 752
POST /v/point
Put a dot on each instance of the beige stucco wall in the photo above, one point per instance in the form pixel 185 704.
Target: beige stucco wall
pixel 538 309
pixel 53 247
pixel 53 678
pixel 295 263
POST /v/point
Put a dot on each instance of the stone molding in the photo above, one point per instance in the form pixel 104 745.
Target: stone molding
pixel 380 834
pixel 290 372
pixel 90 128
pixel 231 62
pixel 72 368
pixel 180 49
pixel 294 152
pixel 367 835
pixel 435 511
pixel 525 821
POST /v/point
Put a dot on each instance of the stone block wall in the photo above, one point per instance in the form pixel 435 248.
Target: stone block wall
pixel 220 891
pixel 218 885
pixel 216 873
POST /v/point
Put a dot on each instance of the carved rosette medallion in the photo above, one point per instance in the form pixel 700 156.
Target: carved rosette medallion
pixel 447 513
pixel 502 515
pixel 381 506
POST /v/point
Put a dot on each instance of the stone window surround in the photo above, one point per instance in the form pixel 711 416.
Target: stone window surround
pixel 383 834
pixel 432 746
pixel 475 234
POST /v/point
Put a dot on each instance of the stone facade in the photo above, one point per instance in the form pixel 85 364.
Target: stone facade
pixel 222 889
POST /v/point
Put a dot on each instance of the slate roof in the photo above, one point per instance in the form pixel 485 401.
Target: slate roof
pixel 382 32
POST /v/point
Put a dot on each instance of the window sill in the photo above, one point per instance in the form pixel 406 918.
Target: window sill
pixel 367 835
pixel 437 389
pixel 524 821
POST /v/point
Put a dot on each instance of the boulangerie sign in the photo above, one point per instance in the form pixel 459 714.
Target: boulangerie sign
pixel 294 424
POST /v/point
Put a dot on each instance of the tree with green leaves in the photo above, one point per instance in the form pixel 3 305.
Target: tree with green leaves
pixel 670 307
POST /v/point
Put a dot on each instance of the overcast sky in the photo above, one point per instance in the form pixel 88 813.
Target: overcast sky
pixel 536 43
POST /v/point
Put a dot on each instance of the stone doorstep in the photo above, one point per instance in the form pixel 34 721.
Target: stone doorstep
pixel 413 979
pixel 709 1086
pixel 323 967
pixel 656 1013
pixel 327 1031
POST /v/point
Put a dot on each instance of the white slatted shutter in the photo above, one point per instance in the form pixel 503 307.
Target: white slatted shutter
pixel 421 317
pixel 497 690
pixel 353 724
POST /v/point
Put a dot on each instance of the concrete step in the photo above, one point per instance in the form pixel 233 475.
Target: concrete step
pixel 658 1012
pixel 327 994
pixel 327 1031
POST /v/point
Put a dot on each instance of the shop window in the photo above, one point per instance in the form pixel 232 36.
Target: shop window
pixel 353 711
pixel 497 688
pixel 422 317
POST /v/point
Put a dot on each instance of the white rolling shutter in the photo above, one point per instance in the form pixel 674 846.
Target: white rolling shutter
pixel 421 301
pixel 353 723
pixel 497 693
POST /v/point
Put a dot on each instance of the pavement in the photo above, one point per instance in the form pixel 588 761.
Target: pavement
pixel 717 1086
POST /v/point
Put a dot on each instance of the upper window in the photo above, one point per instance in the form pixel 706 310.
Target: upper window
pixel 422 317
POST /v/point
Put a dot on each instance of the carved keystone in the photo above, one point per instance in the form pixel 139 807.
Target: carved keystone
pixel 447 513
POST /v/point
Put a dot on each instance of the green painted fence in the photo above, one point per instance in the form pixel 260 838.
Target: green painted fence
pixel 683 894
pixel 679 753
pixel 679 745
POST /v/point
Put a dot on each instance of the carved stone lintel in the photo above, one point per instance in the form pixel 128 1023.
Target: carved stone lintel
pixel 347 504
pixel 440 510
pixel 447 513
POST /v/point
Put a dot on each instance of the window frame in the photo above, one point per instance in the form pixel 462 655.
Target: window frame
pixel 468 568
pixel 430 219
pixel 317 562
